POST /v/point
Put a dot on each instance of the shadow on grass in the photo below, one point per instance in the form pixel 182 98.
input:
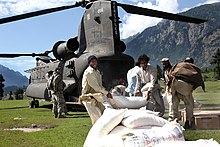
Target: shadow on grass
pixel 200 100
pixel 211 105
pixel 81 116
pixel 70 107
pixel 76 108
pixel 204 106
pixel 14 108
pixel 49 106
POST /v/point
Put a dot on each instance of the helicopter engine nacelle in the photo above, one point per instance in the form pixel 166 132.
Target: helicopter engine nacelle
pixel 65 49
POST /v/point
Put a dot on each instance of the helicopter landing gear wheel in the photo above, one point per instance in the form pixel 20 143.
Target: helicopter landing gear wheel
pixel 34 104
pixel 31 104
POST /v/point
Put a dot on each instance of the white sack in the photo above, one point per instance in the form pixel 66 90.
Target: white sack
pixel 105 141
pixel 93 111
pixel 152 137
pixel 138 120
pixel 122 130
pixel 102 127
pixel 120 101
pixel 146 136
pixel 197 143
pixel 130 112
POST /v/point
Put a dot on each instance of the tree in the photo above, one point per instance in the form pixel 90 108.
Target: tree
pixel 1 85
pixel 19 94
pixel 216 62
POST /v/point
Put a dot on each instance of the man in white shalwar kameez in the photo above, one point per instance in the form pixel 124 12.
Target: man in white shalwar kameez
pixel 94 95
pixel 147 84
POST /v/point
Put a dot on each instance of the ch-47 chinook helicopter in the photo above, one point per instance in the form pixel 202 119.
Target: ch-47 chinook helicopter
pixel 98 35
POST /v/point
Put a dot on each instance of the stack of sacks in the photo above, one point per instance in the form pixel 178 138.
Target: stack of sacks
pixel 131 128
pixel 146 129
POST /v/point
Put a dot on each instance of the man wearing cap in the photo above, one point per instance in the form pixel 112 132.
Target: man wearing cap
pixel 94 95
pixel 167 96
pixel 189 60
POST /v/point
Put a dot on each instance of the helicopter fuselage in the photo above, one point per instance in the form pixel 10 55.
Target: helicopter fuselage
pixel 98 35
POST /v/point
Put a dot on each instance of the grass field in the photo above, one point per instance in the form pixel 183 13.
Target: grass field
pixel 69 131
pixel 73 130
pixel 211 97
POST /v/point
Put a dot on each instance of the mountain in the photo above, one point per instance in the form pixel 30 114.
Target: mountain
pixel 178 40
pixel 13 78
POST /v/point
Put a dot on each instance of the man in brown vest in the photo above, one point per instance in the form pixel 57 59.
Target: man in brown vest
pixel 185 78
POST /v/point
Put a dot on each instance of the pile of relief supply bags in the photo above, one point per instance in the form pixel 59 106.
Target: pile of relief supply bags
pixel 137 128
pixel 131 128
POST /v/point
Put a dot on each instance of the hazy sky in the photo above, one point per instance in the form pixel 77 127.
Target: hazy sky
pixel 35 35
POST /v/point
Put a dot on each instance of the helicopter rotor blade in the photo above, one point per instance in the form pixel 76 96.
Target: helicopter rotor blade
pixel 37 13
pixel 160 14
pixel 19 55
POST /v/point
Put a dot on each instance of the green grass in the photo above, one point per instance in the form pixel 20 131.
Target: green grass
pixel 211 97
pixel 72 131
pixel 191 135
pixel 210 100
